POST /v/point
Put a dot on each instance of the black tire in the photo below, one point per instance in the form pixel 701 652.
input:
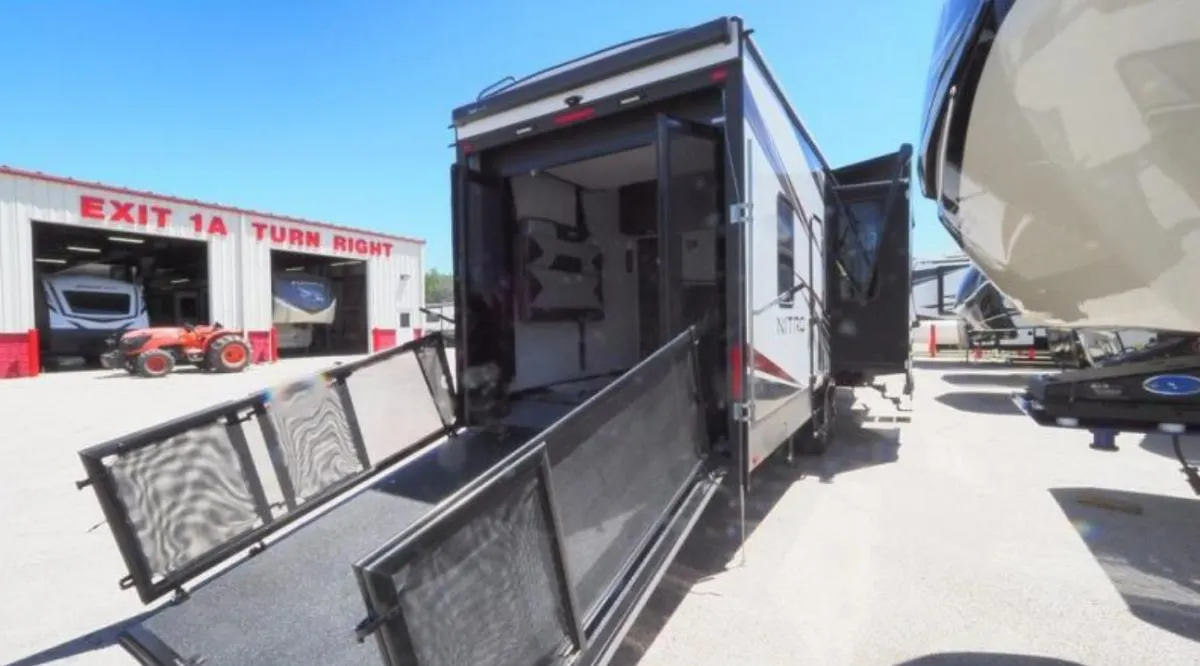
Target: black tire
pixel 154 363
pixel 228 354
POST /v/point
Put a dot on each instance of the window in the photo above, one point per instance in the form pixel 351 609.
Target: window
pixel 786 219
pixel 405 320
pixel 97 302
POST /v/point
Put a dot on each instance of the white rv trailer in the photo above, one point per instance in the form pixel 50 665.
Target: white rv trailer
pixel 935 286
pixel 80 310
pixel 658 280
pixel 1068 172
pixel 299 301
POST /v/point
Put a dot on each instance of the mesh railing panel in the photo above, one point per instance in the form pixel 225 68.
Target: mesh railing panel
pixel 393 404
pixel 613 488
pixel 430 360
pixel 489 594
pixel 184 496
pixel 315 440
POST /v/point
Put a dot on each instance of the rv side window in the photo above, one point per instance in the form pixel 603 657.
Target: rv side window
pixel 97 302
pixel 859 256
pixel 787 252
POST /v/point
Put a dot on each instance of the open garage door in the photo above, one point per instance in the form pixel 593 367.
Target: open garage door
pixel 91 284
pixel 319 304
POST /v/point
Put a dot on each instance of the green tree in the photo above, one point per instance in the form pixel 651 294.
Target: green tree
pixel 439 287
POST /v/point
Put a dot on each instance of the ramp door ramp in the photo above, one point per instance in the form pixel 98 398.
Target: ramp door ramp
pixel 187 495
pixel 547 558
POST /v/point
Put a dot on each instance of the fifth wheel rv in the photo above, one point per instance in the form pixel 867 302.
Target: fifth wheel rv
pixel 659 279
pixel 300 301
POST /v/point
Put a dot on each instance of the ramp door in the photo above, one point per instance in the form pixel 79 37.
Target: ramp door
pixel 548 557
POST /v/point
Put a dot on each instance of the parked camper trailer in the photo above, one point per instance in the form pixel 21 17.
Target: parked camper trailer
pixel 299 302
pixel 658 280
pixel 935 284
pixel 78 311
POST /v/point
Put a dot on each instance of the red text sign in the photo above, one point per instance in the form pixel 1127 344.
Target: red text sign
pixel 279 234
pixel 160 217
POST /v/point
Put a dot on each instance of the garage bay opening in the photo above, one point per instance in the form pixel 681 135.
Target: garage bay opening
pixel 319 305
pixel 93 284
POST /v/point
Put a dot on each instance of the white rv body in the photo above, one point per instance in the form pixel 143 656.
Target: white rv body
pixel 83 309
pixel 298 302
pixel 935 286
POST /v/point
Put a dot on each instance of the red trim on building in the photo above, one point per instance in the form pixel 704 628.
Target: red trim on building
pixel 417 333
pixel 19 355
pixel 382 338
pixel 115 189
pixel 260 346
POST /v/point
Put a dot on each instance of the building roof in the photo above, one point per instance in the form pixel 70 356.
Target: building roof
pixel 116 189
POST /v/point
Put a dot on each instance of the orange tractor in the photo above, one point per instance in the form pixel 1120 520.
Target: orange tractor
pixel 155 352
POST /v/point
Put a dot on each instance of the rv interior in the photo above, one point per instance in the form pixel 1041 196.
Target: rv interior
pixel 572 289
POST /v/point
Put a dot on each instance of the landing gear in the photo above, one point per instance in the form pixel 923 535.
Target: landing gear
pixel 813 440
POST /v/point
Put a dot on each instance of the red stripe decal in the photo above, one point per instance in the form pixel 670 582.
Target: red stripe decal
pixel 766 365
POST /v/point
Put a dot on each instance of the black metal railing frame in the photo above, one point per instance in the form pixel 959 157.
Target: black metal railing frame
pixel 232 415
pixel 375 571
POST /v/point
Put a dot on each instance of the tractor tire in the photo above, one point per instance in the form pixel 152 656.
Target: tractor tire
pixel 154 363
pixel 228 354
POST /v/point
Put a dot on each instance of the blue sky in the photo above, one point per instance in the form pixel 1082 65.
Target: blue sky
pixel 338 111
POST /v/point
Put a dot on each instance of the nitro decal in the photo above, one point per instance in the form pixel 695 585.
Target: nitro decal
pixel 1172 385
pixel 147 217
pixel 790 325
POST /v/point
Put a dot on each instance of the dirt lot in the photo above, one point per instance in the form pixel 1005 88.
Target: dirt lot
pixel 957 538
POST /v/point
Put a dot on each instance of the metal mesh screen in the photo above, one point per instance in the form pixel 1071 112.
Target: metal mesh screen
pixel 184 496
pixel 430 360
pixel 315 440
pixel 489 595
pixel 393 405
pixel 614 487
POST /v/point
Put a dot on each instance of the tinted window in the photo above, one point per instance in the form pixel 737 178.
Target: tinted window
pixel 971 282
pixel 861 245
pixel 786 218
pixel 97 302
pixel 405 320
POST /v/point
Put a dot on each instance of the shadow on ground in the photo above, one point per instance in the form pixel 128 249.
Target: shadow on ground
pixel 1147 544
pixel 947 365
pixel 979 402
pixel 1161 444
pixel 1004 379
pixel 985 659
pixel 99 639
pixel 717 536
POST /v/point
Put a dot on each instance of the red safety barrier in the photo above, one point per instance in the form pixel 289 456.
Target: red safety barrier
pixel 932 339
pixel 35 353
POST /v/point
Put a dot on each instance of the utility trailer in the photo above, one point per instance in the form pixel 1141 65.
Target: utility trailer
pixel 658 279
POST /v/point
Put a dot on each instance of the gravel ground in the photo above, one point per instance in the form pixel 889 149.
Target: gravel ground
pixel 954 539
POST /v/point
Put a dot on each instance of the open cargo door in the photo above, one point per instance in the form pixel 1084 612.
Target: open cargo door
pixel 548 557
pixel 870 230
pixel 213 487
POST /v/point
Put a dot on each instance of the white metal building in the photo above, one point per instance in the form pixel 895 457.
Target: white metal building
pixel 239 244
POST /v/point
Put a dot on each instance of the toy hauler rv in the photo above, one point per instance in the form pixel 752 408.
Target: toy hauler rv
pixel 658 281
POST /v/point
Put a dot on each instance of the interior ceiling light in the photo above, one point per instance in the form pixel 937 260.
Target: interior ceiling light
pixel 49 260
pixel 179 281
pixel 126 239
pixel 344 263
pixel 81 248
pixel 294 268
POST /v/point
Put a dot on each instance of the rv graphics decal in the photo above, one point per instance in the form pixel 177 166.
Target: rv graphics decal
pixel 1172 385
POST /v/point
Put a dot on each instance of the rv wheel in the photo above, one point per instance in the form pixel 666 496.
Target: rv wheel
pixel 154 363
pixel 228 354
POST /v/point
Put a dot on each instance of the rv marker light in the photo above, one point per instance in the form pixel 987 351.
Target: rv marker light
pixel 80 248
pixel 630 100
pixel 574 116
pixel 125 239
pixel 48 260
